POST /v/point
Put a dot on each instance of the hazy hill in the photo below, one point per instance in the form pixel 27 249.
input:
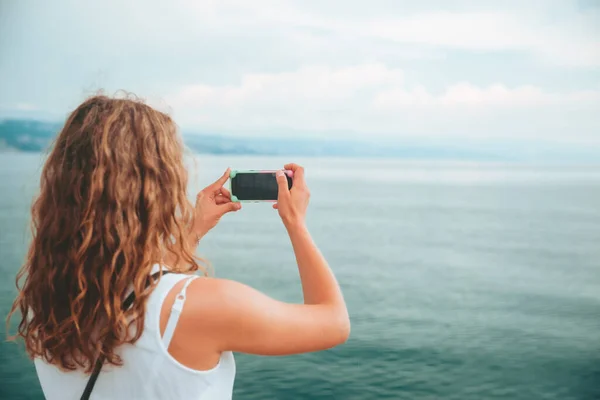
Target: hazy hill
pixel 26 135
pixel 34 136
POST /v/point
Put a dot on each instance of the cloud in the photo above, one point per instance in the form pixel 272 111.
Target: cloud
pixel 319 84
pixel 492 31
pixel 571 40
pixel 493 96
pixel 365 98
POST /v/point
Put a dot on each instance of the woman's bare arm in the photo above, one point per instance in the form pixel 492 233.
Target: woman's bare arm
pixel 226 315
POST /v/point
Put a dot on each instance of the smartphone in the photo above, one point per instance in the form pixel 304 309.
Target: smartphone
pixel 254 185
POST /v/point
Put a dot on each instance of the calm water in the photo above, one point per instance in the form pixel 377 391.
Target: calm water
pixel 463 281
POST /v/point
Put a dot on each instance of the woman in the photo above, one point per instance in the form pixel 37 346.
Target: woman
pixel 112 212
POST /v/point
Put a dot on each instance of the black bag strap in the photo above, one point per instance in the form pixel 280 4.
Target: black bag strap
pixel 100 360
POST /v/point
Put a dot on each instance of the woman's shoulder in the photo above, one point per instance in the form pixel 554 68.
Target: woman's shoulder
pixel 211 304
pixel 212 292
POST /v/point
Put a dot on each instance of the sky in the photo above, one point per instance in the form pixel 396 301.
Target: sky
pixel 512 71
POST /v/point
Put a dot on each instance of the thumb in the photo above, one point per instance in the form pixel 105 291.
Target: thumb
pixel 282 183
pixel 229 207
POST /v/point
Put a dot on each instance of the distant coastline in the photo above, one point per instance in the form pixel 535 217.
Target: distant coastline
pixel 29 135
pixel 26 135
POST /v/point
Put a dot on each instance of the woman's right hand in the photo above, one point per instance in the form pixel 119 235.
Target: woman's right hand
pixel 292 204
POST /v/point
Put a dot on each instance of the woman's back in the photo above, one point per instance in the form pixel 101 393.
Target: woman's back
pixel 148 371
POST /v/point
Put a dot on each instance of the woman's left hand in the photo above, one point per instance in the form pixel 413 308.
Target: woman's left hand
pixel 212 203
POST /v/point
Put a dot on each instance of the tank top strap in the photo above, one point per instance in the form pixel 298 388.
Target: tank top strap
pixel 175 313
pixel 157 298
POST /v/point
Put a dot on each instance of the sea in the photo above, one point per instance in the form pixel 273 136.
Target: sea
pixel 464 280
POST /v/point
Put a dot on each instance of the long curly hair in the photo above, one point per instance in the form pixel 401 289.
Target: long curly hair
pixel 112 203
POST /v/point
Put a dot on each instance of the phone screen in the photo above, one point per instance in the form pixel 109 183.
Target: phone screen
pixel 256 185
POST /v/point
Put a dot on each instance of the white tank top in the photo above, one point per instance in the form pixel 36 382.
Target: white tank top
pixel 148 372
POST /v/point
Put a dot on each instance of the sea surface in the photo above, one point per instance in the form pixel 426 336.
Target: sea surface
pixel 464 281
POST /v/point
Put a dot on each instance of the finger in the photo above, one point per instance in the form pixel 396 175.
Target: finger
pixel 297 170
pixel 221 181
pixel 225 193
pixel 222 200
pixel 282 183
pixel 275 206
